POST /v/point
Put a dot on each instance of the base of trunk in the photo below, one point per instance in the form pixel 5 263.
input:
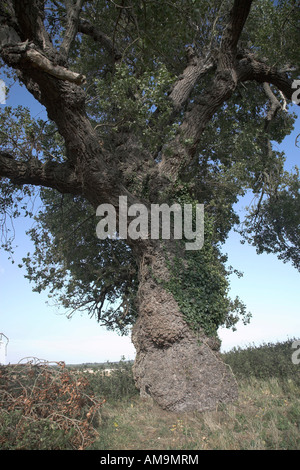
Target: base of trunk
pixel 179 369
pixel 189 375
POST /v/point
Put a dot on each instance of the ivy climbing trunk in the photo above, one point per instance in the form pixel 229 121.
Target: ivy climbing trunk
pixel 179 369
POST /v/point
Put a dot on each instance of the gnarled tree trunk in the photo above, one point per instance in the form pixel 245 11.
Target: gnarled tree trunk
pixel 179 369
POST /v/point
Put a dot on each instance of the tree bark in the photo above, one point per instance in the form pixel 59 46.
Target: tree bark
pixel 179 369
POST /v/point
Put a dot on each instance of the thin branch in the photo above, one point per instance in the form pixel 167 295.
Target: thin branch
pixel 213 28
pixel 121 6
pixel 284 101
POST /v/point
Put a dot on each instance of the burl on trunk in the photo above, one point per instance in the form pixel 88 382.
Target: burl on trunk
pixel 179 369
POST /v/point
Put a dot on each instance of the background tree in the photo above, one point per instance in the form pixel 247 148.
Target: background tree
pixel 161 102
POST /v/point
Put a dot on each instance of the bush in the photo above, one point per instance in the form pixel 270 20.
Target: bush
pixel 119 385
pixel 269 360
pixel 46 407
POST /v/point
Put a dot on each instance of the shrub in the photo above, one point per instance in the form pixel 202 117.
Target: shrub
pixel 46 407
pixel 119 385
pixel 265 361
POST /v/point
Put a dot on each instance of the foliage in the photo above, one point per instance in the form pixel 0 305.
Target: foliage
pixel 43 407
pixel 273 225
pixel 79 270
pixel 25 137
pixel 268 360
pixel 118 385
pixel 200 285
pixel 127 102
pixel 274 23
pixel 201 291
pixel 234 157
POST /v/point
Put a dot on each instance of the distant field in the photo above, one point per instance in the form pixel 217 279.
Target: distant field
pixel 265 416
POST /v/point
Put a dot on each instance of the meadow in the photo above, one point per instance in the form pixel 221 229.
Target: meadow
pixel 54 406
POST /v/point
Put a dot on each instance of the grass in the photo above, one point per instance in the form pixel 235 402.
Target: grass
pixel 266 416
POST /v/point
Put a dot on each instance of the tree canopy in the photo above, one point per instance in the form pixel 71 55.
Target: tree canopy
pixel 182 101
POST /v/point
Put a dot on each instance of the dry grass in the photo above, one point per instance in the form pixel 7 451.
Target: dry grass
pixel 266 416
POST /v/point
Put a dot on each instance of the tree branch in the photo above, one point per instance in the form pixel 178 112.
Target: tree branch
pixel 73 11
pixel 250 68
pixel 51 174
pixel 275 106
pixel 30 15
pixel 237 19
pixel 85 27
pixel 19 51
pixel 198 66
pixel 182 89
pixel 204 107
pixel 89 170
pixel 41 62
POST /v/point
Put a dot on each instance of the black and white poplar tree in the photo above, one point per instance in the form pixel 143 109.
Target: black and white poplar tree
pixel 161 102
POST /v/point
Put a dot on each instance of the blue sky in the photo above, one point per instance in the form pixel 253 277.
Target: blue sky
pixel 269 288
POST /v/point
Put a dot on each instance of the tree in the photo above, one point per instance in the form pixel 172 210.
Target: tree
pixel 161 102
